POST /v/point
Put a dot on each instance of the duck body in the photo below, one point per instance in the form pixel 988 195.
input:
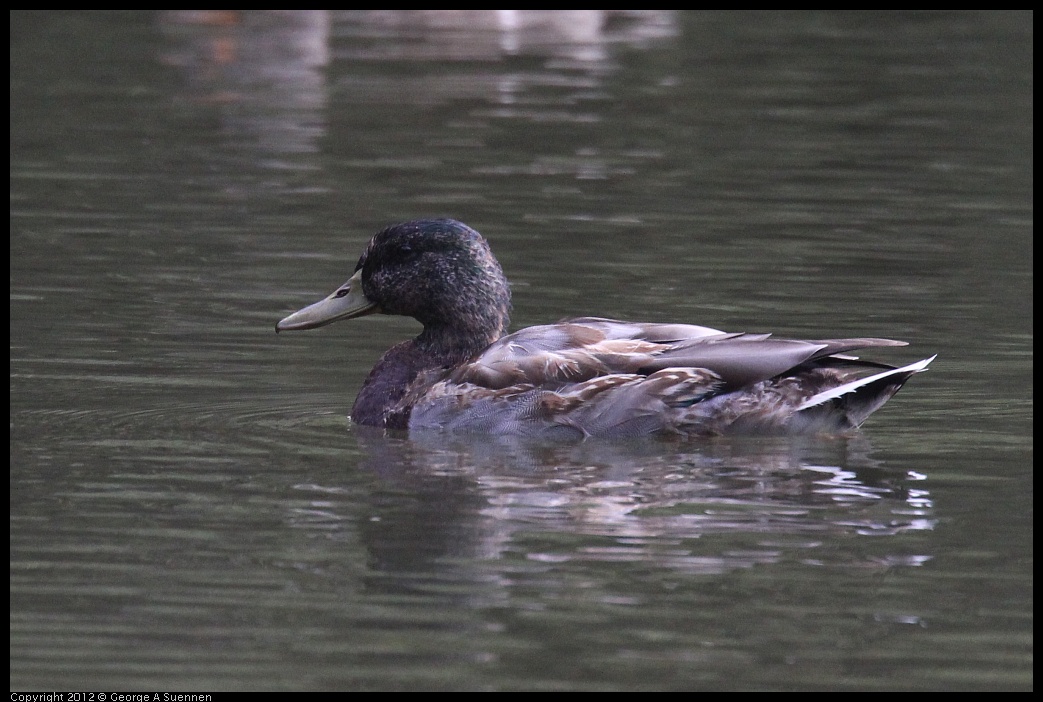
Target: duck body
pixel 579 377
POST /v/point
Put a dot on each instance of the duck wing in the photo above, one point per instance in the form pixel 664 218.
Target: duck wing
pixel 578 350
pixel 602 377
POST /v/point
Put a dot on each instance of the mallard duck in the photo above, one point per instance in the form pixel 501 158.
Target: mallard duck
pixel 580 377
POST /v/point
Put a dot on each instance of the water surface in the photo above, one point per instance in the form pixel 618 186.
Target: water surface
pixel 191 508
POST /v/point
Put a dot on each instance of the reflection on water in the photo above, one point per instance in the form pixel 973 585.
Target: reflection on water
pixel 265 69
pixel 653 501
pixel 484 35
pixel 267 73
pixel 262 70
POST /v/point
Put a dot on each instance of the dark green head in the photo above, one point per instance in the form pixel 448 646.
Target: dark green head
pixel 438 271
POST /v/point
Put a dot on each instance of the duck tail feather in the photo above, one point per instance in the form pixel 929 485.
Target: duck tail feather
pixel 860 398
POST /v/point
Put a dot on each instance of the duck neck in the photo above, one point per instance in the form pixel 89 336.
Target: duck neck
pixel 448 345
pixel 437 347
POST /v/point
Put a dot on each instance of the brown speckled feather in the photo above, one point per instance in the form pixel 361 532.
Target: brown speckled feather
pixel 595 377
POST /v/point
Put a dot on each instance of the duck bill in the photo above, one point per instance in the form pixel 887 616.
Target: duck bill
pixel 346 302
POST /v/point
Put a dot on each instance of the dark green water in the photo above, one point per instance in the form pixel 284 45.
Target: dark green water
pixel 191 509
